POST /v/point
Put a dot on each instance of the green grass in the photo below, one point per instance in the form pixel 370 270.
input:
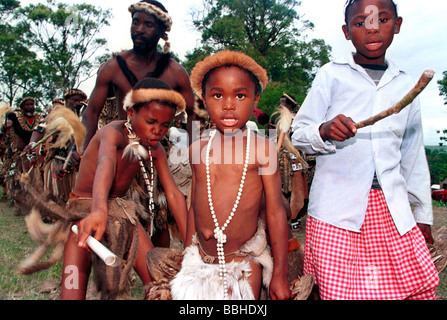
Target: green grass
pixel 15 246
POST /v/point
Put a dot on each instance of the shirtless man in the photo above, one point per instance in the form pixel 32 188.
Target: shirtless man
pixel 150 23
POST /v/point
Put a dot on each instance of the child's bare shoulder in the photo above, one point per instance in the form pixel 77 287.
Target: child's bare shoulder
pixel 113 132
pixel 266 154
pixel 263 141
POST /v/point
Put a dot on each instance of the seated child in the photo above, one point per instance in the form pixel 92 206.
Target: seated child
pixel 227 255
pixel 109 165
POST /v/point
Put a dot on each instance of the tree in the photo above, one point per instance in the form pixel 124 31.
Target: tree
pixel 443 92
pixel 68 39
pixel 270 31
pixel 48 49
pixel 17 62
pixel 443 87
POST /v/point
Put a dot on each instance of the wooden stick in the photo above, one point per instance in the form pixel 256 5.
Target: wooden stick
pixel 72 150
pixel 423 82
pixel 41 141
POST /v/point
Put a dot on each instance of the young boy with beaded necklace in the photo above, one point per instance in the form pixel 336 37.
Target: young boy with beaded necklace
pixel 227 255
pixel 110 163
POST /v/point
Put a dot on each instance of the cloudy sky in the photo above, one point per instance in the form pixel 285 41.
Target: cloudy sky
pixel 422 43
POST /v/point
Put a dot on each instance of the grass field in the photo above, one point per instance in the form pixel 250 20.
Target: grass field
pixel 15 245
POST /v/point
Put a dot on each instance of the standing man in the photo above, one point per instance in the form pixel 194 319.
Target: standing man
pixel 18 128
pixel 62 158
pixel 150 23
pixel 75 100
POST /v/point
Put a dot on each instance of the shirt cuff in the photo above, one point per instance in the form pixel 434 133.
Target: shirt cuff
pixel 423 215
pixel 317 142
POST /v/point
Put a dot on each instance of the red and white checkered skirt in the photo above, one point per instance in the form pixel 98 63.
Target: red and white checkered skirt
pixel 375 264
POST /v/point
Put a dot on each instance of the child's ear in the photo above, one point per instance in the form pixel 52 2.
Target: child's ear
pixel 257 98
pixel 130 113
pixel 398 25
pixel 203 100
pixel 346 32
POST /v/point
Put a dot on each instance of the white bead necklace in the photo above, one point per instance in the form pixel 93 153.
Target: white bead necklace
pixel 219 234
pixel 134 148
pixel 150 188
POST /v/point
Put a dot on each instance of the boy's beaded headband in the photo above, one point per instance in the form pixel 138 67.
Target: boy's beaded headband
pixel 226 58
pixel 159 14
pixel 147 95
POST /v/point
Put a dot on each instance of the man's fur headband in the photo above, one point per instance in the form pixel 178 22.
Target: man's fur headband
pixel 154 94
pixel 26 99
pixel 75 92
pixel 226 58
pixel 161 15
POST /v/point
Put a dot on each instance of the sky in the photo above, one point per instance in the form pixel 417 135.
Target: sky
pixel 421 44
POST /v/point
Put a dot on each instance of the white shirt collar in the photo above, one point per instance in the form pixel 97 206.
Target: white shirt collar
pixel 392 71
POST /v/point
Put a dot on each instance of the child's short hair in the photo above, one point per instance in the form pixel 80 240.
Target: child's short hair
pixel 349 4
pixel 202 71
pixel 151 89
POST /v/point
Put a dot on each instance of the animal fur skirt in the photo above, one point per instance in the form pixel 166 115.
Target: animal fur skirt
pixel 198 280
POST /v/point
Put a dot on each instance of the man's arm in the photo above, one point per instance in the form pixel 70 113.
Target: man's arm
pixel 184 88
pixel 96 102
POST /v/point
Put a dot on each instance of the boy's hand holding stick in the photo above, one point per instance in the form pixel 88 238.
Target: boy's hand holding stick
pixel 109 258
pixel 425 79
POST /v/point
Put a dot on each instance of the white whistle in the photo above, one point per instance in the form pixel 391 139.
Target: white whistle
pixel 101 251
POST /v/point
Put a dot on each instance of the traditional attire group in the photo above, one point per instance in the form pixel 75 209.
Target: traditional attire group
pixel 366 196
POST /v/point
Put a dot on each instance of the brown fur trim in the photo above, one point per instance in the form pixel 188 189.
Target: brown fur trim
pixel 72 123
pixel 56 235
pixel 158 13
pixel 74 92
pixel 152 10
pixel 223 58
pixel 26 99
pixel 148 95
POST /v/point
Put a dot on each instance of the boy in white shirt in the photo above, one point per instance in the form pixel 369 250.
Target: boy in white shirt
pixel 362 237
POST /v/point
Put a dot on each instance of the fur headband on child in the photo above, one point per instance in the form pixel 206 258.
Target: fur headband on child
pixel 153 94
pixel 226 58
pixel 159 13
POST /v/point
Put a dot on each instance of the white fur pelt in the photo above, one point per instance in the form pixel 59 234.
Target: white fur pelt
pixel 198 280
pixel 134 151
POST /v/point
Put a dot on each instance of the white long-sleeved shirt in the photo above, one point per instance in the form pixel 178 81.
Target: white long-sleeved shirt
pixel 393 148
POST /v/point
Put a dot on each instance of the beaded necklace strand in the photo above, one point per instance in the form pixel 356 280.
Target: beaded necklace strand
pixel 134 143
pixel 219 234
